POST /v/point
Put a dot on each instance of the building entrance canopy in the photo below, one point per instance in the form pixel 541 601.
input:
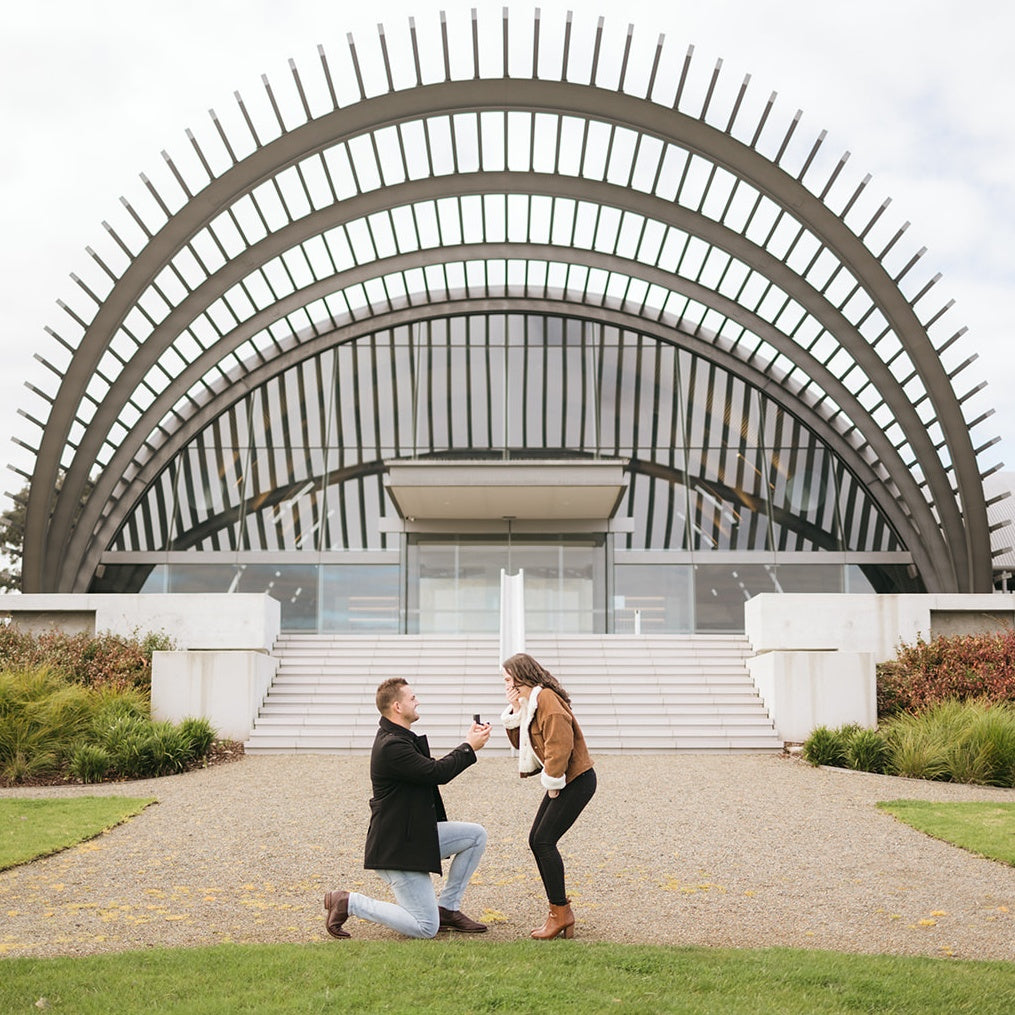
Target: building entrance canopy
pixel 517 491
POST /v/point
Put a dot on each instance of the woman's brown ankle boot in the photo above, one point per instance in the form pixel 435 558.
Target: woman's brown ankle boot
pixel 560 921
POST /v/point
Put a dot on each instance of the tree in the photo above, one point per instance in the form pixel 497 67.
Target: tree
pixel 12 532
pixel 12 541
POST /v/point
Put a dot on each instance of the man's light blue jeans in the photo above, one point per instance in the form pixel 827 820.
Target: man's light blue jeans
pixel 415 913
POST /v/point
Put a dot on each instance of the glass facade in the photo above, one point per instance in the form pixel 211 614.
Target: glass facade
pixel 728 494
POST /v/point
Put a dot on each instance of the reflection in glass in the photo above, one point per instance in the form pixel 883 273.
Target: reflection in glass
pixel 886 579
pixel 458 588
pixel 286 512
pixel 209 498
pixel 728 502
pixel 730 468
pixel 714 466
pixel 660 594
pixel 720 592
pixel 803 494
pixel 129 578
pixel 559 587
pixel 293 585
pixel 201 578
pixel 856 580
pixel 814 578
pixel 360 598
pixel 864 526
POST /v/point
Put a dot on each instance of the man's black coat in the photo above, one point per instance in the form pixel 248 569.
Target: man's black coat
pixel 406 804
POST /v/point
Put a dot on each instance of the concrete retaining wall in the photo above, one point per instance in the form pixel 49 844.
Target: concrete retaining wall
pixel 226 688
pixel 248 621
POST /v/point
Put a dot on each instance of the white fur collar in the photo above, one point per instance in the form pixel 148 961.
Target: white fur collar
pixel 527 760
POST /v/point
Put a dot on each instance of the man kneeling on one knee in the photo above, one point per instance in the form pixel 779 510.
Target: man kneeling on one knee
pixel 409 831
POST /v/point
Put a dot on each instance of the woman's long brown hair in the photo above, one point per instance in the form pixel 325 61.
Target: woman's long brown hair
pixel 526 672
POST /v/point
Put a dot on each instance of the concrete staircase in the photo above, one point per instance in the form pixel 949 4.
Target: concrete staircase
pixel 636 694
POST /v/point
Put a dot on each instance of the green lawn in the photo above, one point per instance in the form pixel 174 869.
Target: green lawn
pixel 452 976
pixel 33 828
pixel 987 829
pixel 449 976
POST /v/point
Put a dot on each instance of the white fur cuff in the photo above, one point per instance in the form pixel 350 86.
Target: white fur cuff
pixel 511 720
pixel 549 782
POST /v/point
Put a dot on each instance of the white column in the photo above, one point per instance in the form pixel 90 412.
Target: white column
pixel 512 614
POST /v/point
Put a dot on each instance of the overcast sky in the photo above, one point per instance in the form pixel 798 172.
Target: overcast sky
pixel 919 91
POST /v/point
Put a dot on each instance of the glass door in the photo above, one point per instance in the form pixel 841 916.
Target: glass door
pixel 454 583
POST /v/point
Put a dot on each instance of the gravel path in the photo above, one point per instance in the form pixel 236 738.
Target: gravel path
pixel 742 851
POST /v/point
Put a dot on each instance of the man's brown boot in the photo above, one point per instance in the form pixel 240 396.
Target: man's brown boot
pixel 455 919
pixel 337 905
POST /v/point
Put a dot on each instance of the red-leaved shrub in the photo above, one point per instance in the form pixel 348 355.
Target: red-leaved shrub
pixel 958 668
pixel 102 660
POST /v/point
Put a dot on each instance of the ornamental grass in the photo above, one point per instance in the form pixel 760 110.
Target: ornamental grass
pixel 78 708
pixel 953 741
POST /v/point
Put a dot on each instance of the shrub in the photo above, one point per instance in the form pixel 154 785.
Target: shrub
pixel 19 687
pixel 67 709
pixel 170 749
pixel 142 749
pixel 110 705
pixel 199 736
pixel 893 688
pixel 867 751
pixel 986 752
pixel 915 748
pixel 51 729
pixel 26 755
pixel 93 660
pixel 953 741
pixel 960 668
pixel 849 746
pixel 124 738
pixel 90 763
pixel 826 747
pixel 25 765
pixel 39 713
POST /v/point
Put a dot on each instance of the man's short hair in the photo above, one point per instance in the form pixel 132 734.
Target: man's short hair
pixel 389 692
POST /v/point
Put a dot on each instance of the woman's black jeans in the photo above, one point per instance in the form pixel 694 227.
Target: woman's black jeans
pixel 554 817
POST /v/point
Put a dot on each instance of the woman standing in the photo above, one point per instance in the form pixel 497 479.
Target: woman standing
pixel 540 723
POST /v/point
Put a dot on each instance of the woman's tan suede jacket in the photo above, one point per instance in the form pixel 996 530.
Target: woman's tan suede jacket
pixel 547 736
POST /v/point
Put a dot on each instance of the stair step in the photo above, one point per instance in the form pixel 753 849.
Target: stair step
pixel 632 693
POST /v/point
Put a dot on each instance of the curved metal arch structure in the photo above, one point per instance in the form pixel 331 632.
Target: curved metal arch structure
pixel 581 187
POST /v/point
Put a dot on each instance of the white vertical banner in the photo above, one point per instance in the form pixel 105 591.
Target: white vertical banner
pixel 512 614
